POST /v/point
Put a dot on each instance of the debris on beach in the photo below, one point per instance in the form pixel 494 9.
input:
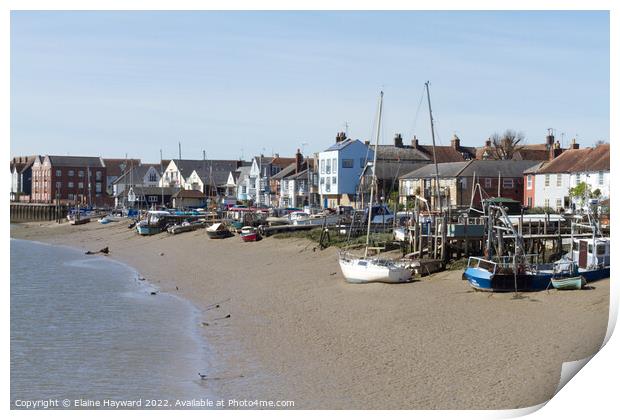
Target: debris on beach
pixel 153 293
pixel 224 317
pixel 161 254
pixel 104 251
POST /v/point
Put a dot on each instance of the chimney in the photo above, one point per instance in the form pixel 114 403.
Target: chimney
pixel 298 161
pixel 414 142
pixel 455 142
pixel 340 137
pixel 555 151
pixel 277 155
pixel 367 142
pixel 550 139
pixel 488 143
pixel 398 140
pixel 574 145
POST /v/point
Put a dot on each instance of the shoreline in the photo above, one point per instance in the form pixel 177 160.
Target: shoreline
pixel 298 332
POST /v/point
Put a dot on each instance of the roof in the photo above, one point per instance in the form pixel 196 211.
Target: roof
pixel 136 173
pixel 395 170
pixel 116 167
pixel 448 153
pixel 290 169
pixel 495 168
pixel 188 194
pixel 539 151
pixel 187 166
pixel 342 144
pixel 76 161
pixel 405 153
pixel 282 161
pixel 446 170
pixel 579 160
pixel 22 163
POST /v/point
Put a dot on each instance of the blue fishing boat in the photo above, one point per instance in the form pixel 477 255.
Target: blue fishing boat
pixel 154 223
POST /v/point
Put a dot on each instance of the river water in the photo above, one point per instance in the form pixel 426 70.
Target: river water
pixel 86 328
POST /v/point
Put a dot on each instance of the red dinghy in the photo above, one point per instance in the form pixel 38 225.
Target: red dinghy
pixel 249 234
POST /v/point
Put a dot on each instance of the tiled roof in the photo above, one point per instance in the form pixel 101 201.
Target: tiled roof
pixel 448 153
pixel 76 161
pixel 446 170
pixel 405 153
pixel 579 160
pixel 341 145
pixel 187 166
pixel 116 167
pixel 282 161
pixel 495 168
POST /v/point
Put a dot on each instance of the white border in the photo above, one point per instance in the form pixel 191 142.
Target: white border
pixel 592 393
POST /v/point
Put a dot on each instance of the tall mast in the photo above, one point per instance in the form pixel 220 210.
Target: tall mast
pixel 430 113
pixel 161 174
pixel 374 174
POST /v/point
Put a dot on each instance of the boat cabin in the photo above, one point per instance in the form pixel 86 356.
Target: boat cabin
pixel 591 252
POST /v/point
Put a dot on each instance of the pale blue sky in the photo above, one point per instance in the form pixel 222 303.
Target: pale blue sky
pixel 110 83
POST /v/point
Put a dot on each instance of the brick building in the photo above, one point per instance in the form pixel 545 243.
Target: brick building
pixel 72 179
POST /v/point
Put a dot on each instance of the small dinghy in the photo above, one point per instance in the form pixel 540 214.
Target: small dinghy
pixel 249 234
pixel 569 283
pixel 104 220
pixel 218 231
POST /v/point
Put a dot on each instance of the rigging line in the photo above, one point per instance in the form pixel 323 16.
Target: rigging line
pixel 417 112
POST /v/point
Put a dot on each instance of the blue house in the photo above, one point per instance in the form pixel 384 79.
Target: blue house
pixel 340 167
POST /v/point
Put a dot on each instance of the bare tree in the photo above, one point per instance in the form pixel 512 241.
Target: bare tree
pixel 506 145
pixel 599 143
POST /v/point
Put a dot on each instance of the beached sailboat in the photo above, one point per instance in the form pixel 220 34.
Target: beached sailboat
pixel 154 222
pixel 366 269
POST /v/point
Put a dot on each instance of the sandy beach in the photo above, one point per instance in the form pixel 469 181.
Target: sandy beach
pixel 298 332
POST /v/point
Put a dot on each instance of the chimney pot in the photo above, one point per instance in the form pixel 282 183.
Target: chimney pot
pixel 488 143
pixel 574 145
pixel 367 142
pixel 414 142
pixel 398 140
pixel 455 142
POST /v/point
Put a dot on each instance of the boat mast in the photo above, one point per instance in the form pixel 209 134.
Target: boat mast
pixel 161 174
pixel 430 113
pixel 374 173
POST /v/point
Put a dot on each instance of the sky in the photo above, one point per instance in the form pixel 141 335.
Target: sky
pixel 238 84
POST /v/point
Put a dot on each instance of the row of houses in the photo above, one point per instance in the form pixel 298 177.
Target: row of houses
pixel 539 175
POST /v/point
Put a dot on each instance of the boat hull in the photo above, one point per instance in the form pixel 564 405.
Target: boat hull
pixel 569 283
pixel 359 271
pixel 148 230
pixel 483 280
pixel 218 234
pixel 249 237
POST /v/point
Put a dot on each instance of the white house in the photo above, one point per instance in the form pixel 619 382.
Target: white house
pixel 141 176
pixel 549 184
pixel 340 167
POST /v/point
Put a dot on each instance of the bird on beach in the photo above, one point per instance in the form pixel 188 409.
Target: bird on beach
pixel 202 377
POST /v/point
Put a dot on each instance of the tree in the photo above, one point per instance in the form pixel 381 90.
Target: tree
pixel 506 145
pixel 580 192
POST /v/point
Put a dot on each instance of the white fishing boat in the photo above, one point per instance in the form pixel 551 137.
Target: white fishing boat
pixel 367 269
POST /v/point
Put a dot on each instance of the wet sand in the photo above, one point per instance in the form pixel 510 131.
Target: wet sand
pixel 298 332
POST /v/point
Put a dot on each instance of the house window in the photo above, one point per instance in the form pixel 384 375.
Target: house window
pixel 243 189
pixel 98 187
pixel 70 196
pixel 347 163
pixel 558 203
pixel 58 185
pixel 547 180
pixel 322 180
pixel 335 165
pixel 558 180
pixel 81 185
pixel 546 203
pixel 58 172
pixel 328 168
pixel 152 177
pixel 578 178
pixel 98 175
pixel 508 183
pixel 333 180
pixel 81 174
pixel 487 182
pixel 71 172
pixel 529 202
pixel 70 184
pixel 322 165
pixel 152 198
pixel 601 178
pixel 327 186
pixel 529 182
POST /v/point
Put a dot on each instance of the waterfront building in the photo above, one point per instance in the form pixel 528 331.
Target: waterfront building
pixel 21 178
pixel 549 185
pixel 137 178
pixel 69 179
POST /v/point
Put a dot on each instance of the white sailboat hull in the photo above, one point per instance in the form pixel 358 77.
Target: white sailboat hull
pixel 366 270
